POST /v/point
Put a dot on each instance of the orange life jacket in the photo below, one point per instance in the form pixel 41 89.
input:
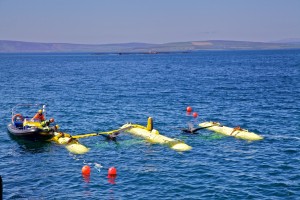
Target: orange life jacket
pixel 39 117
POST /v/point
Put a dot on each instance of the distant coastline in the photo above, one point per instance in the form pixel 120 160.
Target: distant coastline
pixel 7 46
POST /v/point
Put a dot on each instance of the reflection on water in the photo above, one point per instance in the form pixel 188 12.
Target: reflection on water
pixel 112 179
pixel 86 178
pixel 31 146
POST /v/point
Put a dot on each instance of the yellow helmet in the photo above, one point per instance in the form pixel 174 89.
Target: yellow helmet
pixel 40 111
pixel 56 126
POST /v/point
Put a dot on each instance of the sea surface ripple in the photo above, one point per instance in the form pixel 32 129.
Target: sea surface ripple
pixel 257 90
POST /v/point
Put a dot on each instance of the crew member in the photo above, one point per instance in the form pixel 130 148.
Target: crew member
pixel 51 130
pixel 39 116
pixel 55 128
pixel 112 137
pixel 191 130
pixel 47 122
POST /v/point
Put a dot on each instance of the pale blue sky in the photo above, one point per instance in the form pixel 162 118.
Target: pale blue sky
pixel 150 21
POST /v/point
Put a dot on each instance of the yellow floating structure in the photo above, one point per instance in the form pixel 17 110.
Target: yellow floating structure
pixel 153 136
pixel 234 132
pixel 71 144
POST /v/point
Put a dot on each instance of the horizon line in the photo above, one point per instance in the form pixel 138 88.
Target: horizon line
pixel 210 40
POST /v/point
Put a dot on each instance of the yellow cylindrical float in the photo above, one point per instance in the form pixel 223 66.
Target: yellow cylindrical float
pixel 234 132
pixel 72 145
pixel 153 136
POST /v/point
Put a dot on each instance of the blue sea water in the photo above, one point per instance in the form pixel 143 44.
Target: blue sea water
pixel 257 90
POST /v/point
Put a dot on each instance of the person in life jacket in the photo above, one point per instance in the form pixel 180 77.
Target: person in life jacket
pixel 191 129
pixel 51 130
pixel 39 116
pixel 47 122
pixel 58 134
pixel 55 128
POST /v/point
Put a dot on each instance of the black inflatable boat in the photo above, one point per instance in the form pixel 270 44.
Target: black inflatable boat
pixel 21 126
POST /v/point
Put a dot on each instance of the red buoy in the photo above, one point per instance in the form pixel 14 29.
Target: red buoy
pixel 195 114
pixel 189 109
pixel 86 170
pixel 112 171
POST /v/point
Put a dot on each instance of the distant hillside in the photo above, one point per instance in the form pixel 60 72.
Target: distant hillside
pixel 289 40
pixel 34 47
